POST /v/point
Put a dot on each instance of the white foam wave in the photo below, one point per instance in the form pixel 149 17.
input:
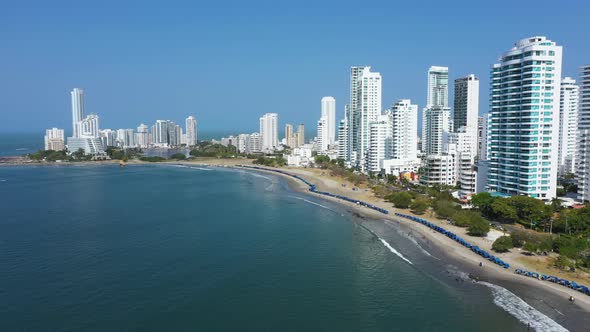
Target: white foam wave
pixel 314 203
pixel 386 244
pixel 201 168
pixel 413 240
pixel 518 308
pixel 259 176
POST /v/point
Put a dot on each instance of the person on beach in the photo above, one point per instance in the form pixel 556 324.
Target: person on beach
pixel 572 299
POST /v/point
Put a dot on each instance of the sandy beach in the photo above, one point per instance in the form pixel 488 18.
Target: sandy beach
pixel 551 299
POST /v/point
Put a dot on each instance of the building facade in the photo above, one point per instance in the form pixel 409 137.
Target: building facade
pixel 329 112
pixel 191 131
pixel 54 139
pixel 524 119
pixel 583 141
pixel 77 109
pixel 269 131
pixel 568 125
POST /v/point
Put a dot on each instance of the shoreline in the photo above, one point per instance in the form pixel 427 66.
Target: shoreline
pixel 548 298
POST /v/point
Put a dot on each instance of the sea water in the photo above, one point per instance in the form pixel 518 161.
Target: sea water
pixel 108 248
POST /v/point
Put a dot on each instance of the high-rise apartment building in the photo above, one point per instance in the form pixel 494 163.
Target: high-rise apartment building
pixel 404 117
pixel 191 131
pixel 568 125
pixel 436 116
pixel 89 126
pixel 524 119
pixel 329 112
pixel 142 136
pixel 364 109
pixel 583 150
pixel 300 134
pixel 54 139
pixel 322 134
pixel 269 131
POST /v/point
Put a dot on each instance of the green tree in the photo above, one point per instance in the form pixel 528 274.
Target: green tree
pixel 502 244
pixel 478 228
pixel 465 218
pixel 401 200
pixel 483 201
pixel 420 204
pixel 445 209
pixel 178 156
pixel 504 212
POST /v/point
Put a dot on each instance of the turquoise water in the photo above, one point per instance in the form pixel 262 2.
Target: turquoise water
pixel 103 248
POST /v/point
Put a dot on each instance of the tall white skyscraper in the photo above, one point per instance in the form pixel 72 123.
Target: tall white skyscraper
pixel 191 131
pixel 583 151
pixel 524 119
pixel 436 117
pixel 269 131
pixel 404 118
pixel 365 107
pixel 380 143
pixel 142 136
pixel 54 139
pixel 466 103
pixel 329 112
pixel 161 133
pixel 322 135
pixel 77 110
pixel 568 125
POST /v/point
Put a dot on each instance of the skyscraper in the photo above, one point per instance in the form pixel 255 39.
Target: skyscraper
pixel 436 117
pixel 191 131
pixel 404 118
pixel 365 107
pixel 269 131
pixel 289 136
pixel 568 123
pixel 322 134
pixel 300 134
pixel 524 119
pixel 466 103
pixel 142 136
pixel 583 151
pixel 77 110
pixel 380 143
pixel 329 112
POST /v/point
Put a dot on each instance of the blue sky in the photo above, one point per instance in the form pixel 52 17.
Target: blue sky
pixel 228 62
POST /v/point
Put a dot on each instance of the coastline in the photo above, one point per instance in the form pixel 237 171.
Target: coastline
pixel 548 298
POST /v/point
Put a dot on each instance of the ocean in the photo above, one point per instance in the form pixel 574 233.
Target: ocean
pixel 163 247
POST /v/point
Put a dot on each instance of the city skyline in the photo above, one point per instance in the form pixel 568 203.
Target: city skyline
pixel 126 88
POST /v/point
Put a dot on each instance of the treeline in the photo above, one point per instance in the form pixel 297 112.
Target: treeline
pixel 276 161
pixel 208 149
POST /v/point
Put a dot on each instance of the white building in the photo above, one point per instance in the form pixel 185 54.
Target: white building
pixel 323 140
pixel 301 156
pixel 568 125
pixel 300 136
pixel 439 169
pixel 77 109
pixel 482 137
pixel 436 117
pixel 90 145
pixel 54 139
pixel 89 126
pixel 364 108
pixel 524 127
pixel 160 133
pixel 269 131
pixel 583 151
pixel 466 103
pixel 191 131
pixel 404 141
pixel 108 138
pixel 255 143
pixel 380 143
pixel 329 112
pixel 343 139
pixel 142 136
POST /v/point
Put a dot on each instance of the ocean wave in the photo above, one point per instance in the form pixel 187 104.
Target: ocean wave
pixel 525 313
pixel 259 176
pixel 314 203
pixel 200 168
pixel 412 239
pixel 386 244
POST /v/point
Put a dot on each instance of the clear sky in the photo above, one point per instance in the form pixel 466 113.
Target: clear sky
pixel 228 62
